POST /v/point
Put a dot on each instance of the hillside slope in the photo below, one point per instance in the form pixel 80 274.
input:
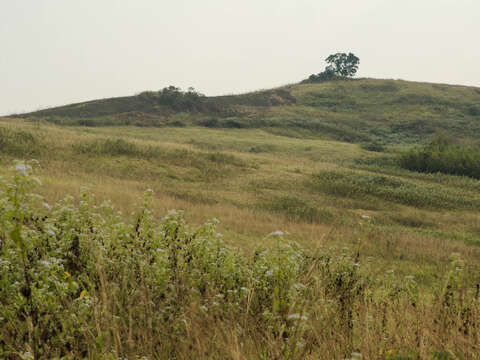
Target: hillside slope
pixel 389 111
pixel 398 247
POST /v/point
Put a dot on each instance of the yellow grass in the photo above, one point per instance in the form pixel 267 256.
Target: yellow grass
pixel 281 169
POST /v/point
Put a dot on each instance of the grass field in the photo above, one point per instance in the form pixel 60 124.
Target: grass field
pixel 322 193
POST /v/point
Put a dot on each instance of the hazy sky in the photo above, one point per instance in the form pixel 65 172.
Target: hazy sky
pixel 54 52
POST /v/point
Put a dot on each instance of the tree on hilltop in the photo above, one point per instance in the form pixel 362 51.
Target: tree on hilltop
pixel 345 65
pixel 340 65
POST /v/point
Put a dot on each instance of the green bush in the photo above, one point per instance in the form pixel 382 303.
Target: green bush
pixel 326 75
pixel 443 157
pixel 373 146
pixel 61 264
pixel 17 142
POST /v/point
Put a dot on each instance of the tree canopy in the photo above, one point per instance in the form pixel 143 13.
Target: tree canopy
pixel 340 65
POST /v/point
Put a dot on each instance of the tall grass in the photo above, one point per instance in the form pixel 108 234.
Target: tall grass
pixel 369 186
pixel 442 157
pixel 18 142
pixel 296 209
pixel 78 281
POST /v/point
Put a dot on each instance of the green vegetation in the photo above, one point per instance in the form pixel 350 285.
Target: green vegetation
pixel 341 66
pixel 364 110
pixel 373 146
pixel 177 100
pixel 364 255
pixel 296 209
pixel 78 281
pixel 368 187
pixel 17 142
pixel 442 156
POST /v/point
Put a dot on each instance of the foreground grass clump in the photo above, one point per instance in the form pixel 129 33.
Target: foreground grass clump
pixel 78 281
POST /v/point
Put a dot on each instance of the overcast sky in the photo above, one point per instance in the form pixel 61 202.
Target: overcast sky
pixel 55 52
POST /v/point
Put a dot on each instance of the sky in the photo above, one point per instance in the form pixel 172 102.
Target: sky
pixel 55 52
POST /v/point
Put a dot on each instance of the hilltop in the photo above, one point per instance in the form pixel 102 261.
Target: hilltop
pixel 362 110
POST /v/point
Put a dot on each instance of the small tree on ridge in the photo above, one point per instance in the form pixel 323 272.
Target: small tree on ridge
pixel 342 64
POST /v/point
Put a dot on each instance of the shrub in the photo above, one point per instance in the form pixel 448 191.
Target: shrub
pixel 443 157
pixel 210 122
pixel 175 98
pixel 18 142
pixel 373 146
pixel 326 75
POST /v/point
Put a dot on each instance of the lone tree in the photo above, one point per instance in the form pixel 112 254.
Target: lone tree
pixel 340 65
pixel 345 65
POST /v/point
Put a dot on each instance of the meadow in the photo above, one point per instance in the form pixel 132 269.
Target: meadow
pixel 328 248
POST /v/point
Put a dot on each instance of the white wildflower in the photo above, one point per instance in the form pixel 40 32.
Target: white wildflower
pixel 299 286
pixel 26 355
pixel 276 233
pixel 297 316
pixel 21 167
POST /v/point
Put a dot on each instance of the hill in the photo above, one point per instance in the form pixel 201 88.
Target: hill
pixel 329 248
pixel 363 110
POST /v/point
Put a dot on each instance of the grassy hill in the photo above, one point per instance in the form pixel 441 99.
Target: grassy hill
pixel 361 110
pixel 374 258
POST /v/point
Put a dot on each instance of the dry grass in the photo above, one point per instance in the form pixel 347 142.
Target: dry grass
pixel 410 241
pixel 233 193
